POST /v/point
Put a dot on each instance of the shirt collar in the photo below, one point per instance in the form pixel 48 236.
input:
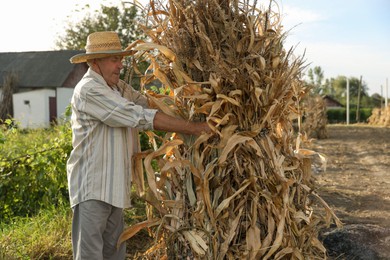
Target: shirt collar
pixel 91 73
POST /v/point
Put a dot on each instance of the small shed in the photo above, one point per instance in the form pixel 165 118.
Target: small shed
pixel 330 102
pixel 42 84
pixel 39 108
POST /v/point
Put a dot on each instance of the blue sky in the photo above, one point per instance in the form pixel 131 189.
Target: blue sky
pixel 343 37
pixel 348 37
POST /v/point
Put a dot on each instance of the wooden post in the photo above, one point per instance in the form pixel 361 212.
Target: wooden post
pixel 387 91
pixel 381 97
pixel 358 101
pixel 347 102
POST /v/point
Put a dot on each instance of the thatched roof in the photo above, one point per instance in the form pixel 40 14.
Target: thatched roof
pixel 37 69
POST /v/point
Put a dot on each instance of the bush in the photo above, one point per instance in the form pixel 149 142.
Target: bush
pixel 33 169
pixel 338 115
pixel 34 201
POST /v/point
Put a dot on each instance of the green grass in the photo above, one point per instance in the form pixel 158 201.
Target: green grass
pixel 47 235
pixel 44 236
pixel 35 216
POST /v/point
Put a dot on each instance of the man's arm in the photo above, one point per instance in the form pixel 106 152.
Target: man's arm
pixel 164 122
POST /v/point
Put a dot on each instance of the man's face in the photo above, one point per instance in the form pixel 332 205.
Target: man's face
pixel 110 69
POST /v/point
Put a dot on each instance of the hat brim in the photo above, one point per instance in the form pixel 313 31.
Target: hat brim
pixel 83 57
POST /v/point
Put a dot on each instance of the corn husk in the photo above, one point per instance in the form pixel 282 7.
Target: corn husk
pixel 246 190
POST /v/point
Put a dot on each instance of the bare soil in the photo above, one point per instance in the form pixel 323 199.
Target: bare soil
pixel 356 184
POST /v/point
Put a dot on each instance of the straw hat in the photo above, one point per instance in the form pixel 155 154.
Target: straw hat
pixel 100 45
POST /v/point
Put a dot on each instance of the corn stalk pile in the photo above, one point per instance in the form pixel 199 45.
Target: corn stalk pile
pixel 244 191
pixel 315 117
pixel 380 116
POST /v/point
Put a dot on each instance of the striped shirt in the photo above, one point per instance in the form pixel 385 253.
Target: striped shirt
pixel 105 125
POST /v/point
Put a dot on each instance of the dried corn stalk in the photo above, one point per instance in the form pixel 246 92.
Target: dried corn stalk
pixel 315 117
pixel 380 116
pixel 243 192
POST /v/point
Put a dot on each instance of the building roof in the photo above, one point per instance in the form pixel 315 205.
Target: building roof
pixel 37 69
pixel 331 102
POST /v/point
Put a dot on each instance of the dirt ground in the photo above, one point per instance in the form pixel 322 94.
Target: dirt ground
pixel 356 184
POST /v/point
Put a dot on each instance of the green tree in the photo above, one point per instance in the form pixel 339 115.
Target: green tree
pixel 316 81
pixel 339 87
pixel 336 87
pixel 377 100
pixel 122 19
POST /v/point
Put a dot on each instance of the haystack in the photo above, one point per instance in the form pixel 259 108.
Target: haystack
pixel 245 191
pixel 380 117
